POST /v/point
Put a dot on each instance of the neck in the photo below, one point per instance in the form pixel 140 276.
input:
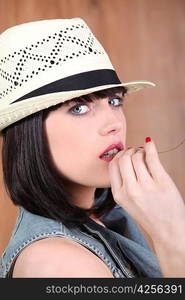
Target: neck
pixel 83 196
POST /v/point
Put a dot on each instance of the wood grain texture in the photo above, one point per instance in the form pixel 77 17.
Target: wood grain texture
pixel 145 40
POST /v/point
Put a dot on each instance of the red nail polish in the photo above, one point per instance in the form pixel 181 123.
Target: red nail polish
pixel 141 147
pixel 148 139
pixel 129 148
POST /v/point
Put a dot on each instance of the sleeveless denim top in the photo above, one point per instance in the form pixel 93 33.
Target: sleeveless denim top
pixel 120 245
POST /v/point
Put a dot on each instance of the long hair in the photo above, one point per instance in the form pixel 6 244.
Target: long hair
pixel 31 179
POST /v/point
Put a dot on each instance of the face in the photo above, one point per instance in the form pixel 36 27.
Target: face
pixel 78 133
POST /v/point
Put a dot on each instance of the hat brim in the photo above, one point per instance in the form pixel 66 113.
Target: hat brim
pixel 18 110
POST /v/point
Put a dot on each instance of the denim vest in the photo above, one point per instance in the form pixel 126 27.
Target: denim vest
pixel 120 245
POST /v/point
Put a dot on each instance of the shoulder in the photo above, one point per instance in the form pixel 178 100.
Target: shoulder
pixel 59 257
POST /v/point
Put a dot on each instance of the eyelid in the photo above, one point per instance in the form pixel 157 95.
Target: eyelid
pixel 80 102
pixel 83 101
pixel 76 102
pixel 118 97
pixel 73 106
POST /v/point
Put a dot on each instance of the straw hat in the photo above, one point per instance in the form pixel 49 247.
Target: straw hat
pixel 47 62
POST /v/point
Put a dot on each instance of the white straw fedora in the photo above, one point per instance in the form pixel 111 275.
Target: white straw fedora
pixel 47 62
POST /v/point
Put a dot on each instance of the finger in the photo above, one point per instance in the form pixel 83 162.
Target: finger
pixel 115 170
pixel 114 173
pixel 126 167
pixel 142 174
pixel 153 163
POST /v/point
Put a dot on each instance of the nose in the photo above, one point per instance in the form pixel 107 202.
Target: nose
pixel 112 121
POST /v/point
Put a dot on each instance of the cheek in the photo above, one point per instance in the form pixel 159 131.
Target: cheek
pixel 123 129
pixel 66 144
pixel 124 125
pixel 75 152
pixel 73 155
pixel 63 144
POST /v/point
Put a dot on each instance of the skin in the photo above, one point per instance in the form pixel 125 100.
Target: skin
pixel 63 264
pixel 138 181
pixel 142 186
pixel 70 136
pixel 80 139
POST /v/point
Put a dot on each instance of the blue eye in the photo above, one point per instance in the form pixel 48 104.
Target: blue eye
pixel 79 109
pixel 82 108
pixel 117 100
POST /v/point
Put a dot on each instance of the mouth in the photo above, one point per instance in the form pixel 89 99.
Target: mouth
pixel 110 152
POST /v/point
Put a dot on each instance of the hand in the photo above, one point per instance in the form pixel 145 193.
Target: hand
pixel 144 189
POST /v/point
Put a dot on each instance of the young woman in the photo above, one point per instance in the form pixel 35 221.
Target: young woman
pixel 84 198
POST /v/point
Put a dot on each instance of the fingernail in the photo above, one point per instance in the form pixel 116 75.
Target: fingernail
pixel 141 147
pixel 129 148
pixel 148 139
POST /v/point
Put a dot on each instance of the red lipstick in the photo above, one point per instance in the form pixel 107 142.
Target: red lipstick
pixel 119 146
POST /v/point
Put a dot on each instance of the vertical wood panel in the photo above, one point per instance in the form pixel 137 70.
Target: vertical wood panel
pixel 146 40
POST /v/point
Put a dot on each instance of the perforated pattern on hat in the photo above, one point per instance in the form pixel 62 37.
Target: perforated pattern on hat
pixel 69 43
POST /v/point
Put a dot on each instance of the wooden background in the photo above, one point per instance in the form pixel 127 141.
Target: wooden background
pixel 145 40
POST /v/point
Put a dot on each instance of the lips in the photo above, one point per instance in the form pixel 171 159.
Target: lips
pixel 119 146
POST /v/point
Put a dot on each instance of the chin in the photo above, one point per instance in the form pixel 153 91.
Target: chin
pixel 97 183
pixel 104 184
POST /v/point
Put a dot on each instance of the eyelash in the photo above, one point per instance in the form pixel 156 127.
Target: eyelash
pixel 85 103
